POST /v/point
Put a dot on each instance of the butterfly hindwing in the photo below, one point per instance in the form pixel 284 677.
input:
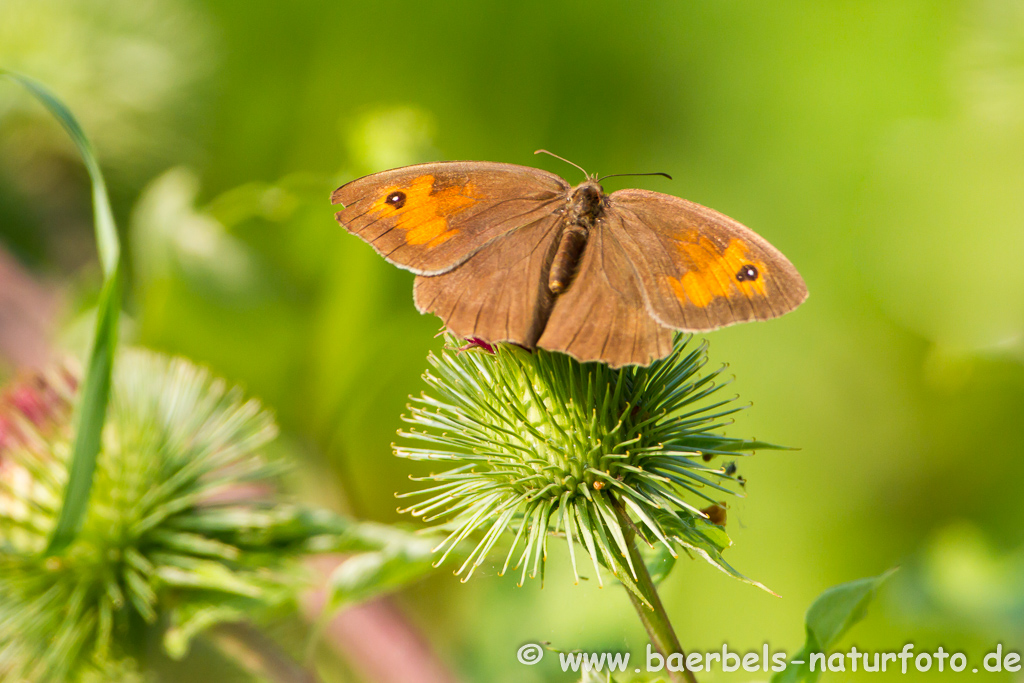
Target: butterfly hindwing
pixel 701 270
pixel 602 315
pixel 430 218
pixel 500 293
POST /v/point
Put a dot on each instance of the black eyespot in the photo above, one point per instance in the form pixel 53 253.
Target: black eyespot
pixel 747 272
pixel 396 199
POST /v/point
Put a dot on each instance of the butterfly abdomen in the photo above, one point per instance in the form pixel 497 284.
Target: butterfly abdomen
pixel 586 203
pixel 563 267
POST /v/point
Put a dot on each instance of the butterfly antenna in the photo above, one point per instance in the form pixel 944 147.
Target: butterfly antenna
pixel 619 175
pixel 544 151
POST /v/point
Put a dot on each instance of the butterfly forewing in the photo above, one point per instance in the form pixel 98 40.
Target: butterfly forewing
pixel 699 269
pixel 430 218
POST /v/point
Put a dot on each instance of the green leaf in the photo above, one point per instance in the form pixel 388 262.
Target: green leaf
pixel 369 574
pixel 183 571
pixel 193 618
pixel 403 559
pixel 597 677
pixel 660 562
pixel 95 394
pixel 828 619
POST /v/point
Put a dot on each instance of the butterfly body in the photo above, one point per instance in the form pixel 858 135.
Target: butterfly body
pixel 584 208
pixel 511 253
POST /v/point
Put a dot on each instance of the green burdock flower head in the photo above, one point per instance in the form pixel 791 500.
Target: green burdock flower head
pixel 182 530
pixel 540 444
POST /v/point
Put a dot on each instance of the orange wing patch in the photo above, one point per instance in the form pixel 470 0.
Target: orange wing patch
pixel 422 211
pixel 712 273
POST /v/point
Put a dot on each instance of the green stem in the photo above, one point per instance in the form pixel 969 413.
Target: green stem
pixel 656 622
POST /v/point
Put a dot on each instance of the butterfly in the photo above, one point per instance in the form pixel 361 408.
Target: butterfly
pixel 507 253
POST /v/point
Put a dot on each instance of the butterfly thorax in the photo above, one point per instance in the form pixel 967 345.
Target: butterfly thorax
pixel 586 204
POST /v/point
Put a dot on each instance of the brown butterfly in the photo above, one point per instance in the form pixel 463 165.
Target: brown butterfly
pixel 511 253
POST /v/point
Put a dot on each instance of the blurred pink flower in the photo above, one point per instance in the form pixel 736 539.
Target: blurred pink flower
pixel 38 402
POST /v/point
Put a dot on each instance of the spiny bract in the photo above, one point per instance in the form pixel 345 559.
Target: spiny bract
pixel 538 442
pixel 182 530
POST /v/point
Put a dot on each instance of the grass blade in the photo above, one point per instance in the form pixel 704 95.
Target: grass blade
pixel 92 409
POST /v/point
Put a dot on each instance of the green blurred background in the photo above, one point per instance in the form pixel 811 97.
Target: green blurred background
pixel 880 145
